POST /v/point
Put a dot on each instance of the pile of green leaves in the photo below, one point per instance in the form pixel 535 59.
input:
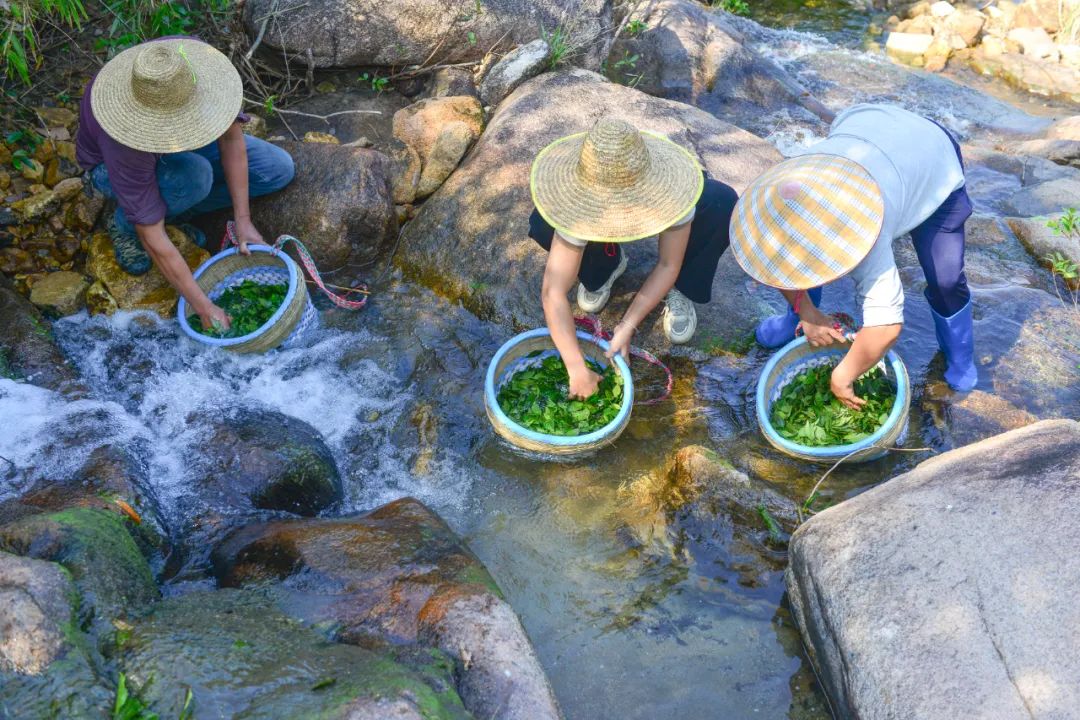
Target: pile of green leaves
pixel 809 414
pixel 249 305
pixel 536 398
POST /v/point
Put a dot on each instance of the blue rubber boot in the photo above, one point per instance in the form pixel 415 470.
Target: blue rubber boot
pixel 779 330
pixel 956 339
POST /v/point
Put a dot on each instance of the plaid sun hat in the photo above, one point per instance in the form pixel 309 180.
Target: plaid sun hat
pixel 806 222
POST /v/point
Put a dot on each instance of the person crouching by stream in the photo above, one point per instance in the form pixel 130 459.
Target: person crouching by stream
pixel 881 173
pixel 614 184
pixel 160 133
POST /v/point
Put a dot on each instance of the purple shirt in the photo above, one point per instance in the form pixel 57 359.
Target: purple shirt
pixel 132 173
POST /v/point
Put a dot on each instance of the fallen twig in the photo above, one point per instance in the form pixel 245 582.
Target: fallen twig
pixel 817 485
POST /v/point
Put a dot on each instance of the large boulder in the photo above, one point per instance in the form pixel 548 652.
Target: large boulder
pixel 240 656
pixel 96 547
pixel 260 459
pixel 339 204
pixel 946 592
pixel 139 292
pixel 46 665
pixel 475 228
pixel 27 348
pixel 691 54
pixel 1040 240
pixel 1045 198
pixel 400 573
pixel 344 33
pixel 1039 77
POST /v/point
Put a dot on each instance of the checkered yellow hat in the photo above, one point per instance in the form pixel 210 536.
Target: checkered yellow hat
pixel 806 222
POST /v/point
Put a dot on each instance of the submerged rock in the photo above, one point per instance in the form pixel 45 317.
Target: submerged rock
pixel 948 589
pixel 400 573
pixel 240 656
pixel 27 348
pixel 475 226
pixel 270 461
pixel 349 33
pixel 339 204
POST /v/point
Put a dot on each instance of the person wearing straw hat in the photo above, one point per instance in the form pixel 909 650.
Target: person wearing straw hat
pixel 615 184
pixel 160 132
pixel 883 172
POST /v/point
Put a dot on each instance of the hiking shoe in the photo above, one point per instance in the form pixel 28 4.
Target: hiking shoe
pixel 680 318
pixel 594 301
pixel 130 254
pixel 194 234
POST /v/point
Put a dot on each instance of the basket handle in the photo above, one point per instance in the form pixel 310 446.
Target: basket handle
pixel 306 260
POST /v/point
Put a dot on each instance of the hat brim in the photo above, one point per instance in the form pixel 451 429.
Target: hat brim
pixel 667 192
pixel 800 245
pixel 215 104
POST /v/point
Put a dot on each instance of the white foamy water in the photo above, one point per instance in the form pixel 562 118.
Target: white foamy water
pixel 158 394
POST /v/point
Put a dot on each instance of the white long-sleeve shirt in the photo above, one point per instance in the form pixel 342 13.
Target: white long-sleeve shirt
pixel 915 165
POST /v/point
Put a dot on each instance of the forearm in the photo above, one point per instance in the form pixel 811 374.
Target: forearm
pixel 234 162
pixel 560 322
pixel 652 292
pixel 871 344
pixel 172 264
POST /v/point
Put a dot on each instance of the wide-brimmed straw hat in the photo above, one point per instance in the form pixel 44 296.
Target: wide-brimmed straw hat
pixel 807 221
pixel 167 96
pixel 614 183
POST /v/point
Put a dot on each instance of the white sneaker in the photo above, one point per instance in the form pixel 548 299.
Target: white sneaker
pixel 594 302
pixel 680 318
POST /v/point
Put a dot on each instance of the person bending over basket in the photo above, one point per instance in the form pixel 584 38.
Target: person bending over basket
pixel 612 185
pixel 881 173
pixel 160 132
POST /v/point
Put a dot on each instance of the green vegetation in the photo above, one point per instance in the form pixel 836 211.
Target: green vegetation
pixel 536 398
pixel 129 707
pixel 135 21
pixel 626 67
pixel 735 7
pixel 809 414
pixel 776 534
pixel 23 144
pixel 635 28
pixel 377 83
pixel 558 41
pixel 18 34
pixel 249 306
pixel 1067 226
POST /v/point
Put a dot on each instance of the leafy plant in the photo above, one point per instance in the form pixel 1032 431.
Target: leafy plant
pixel 536 398
pixel 635 28
pixel 135 21
pixel 249 305
pixel 776 534
pixel 1061 266
pixel 378 83
pixel 558 42
pixel 735 7
pixel 268 105
pixel 809 414
pixel 627 65
pixel 18 37
pixel 471 37
pixel 129 707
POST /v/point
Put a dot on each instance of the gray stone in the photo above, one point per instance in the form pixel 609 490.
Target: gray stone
pixel 947 591
pixel 475 226
pixel 452 82
pixel 908 48
pixel 1066 129
pixel 446 152
pixel 1045 198
pixel 37 599
pixel 515 68
pixel 1062 152
pixel 347 33
pixel 27 348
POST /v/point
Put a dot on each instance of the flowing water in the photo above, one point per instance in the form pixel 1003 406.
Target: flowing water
pixel 632 618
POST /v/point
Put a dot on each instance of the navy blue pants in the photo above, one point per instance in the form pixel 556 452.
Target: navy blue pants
pixel 708 241
pixel 939 243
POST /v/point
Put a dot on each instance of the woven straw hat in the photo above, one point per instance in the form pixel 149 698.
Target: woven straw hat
pixel 807 221
pixel 167 96
pixel 614 183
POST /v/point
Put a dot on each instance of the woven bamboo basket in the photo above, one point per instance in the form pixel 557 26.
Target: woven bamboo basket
pixel 529 349
pixel 798 355
pixel 266 265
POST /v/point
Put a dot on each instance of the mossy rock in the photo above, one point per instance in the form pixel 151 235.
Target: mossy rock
pixel 95 546
pixel 242 657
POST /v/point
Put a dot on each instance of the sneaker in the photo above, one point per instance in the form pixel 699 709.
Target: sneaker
pixel 680 318
pixel 594 301
pixel 194 234
pixel 130 254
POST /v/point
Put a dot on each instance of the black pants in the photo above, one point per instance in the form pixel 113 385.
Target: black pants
pixel 708 241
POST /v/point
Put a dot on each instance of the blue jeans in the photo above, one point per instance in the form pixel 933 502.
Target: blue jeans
pixel 192 183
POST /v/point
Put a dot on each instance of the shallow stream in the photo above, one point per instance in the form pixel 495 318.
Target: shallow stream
pixel 630 620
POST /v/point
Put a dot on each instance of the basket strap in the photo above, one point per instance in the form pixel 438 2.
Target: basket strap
pixel 592 324
pixel 306 260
